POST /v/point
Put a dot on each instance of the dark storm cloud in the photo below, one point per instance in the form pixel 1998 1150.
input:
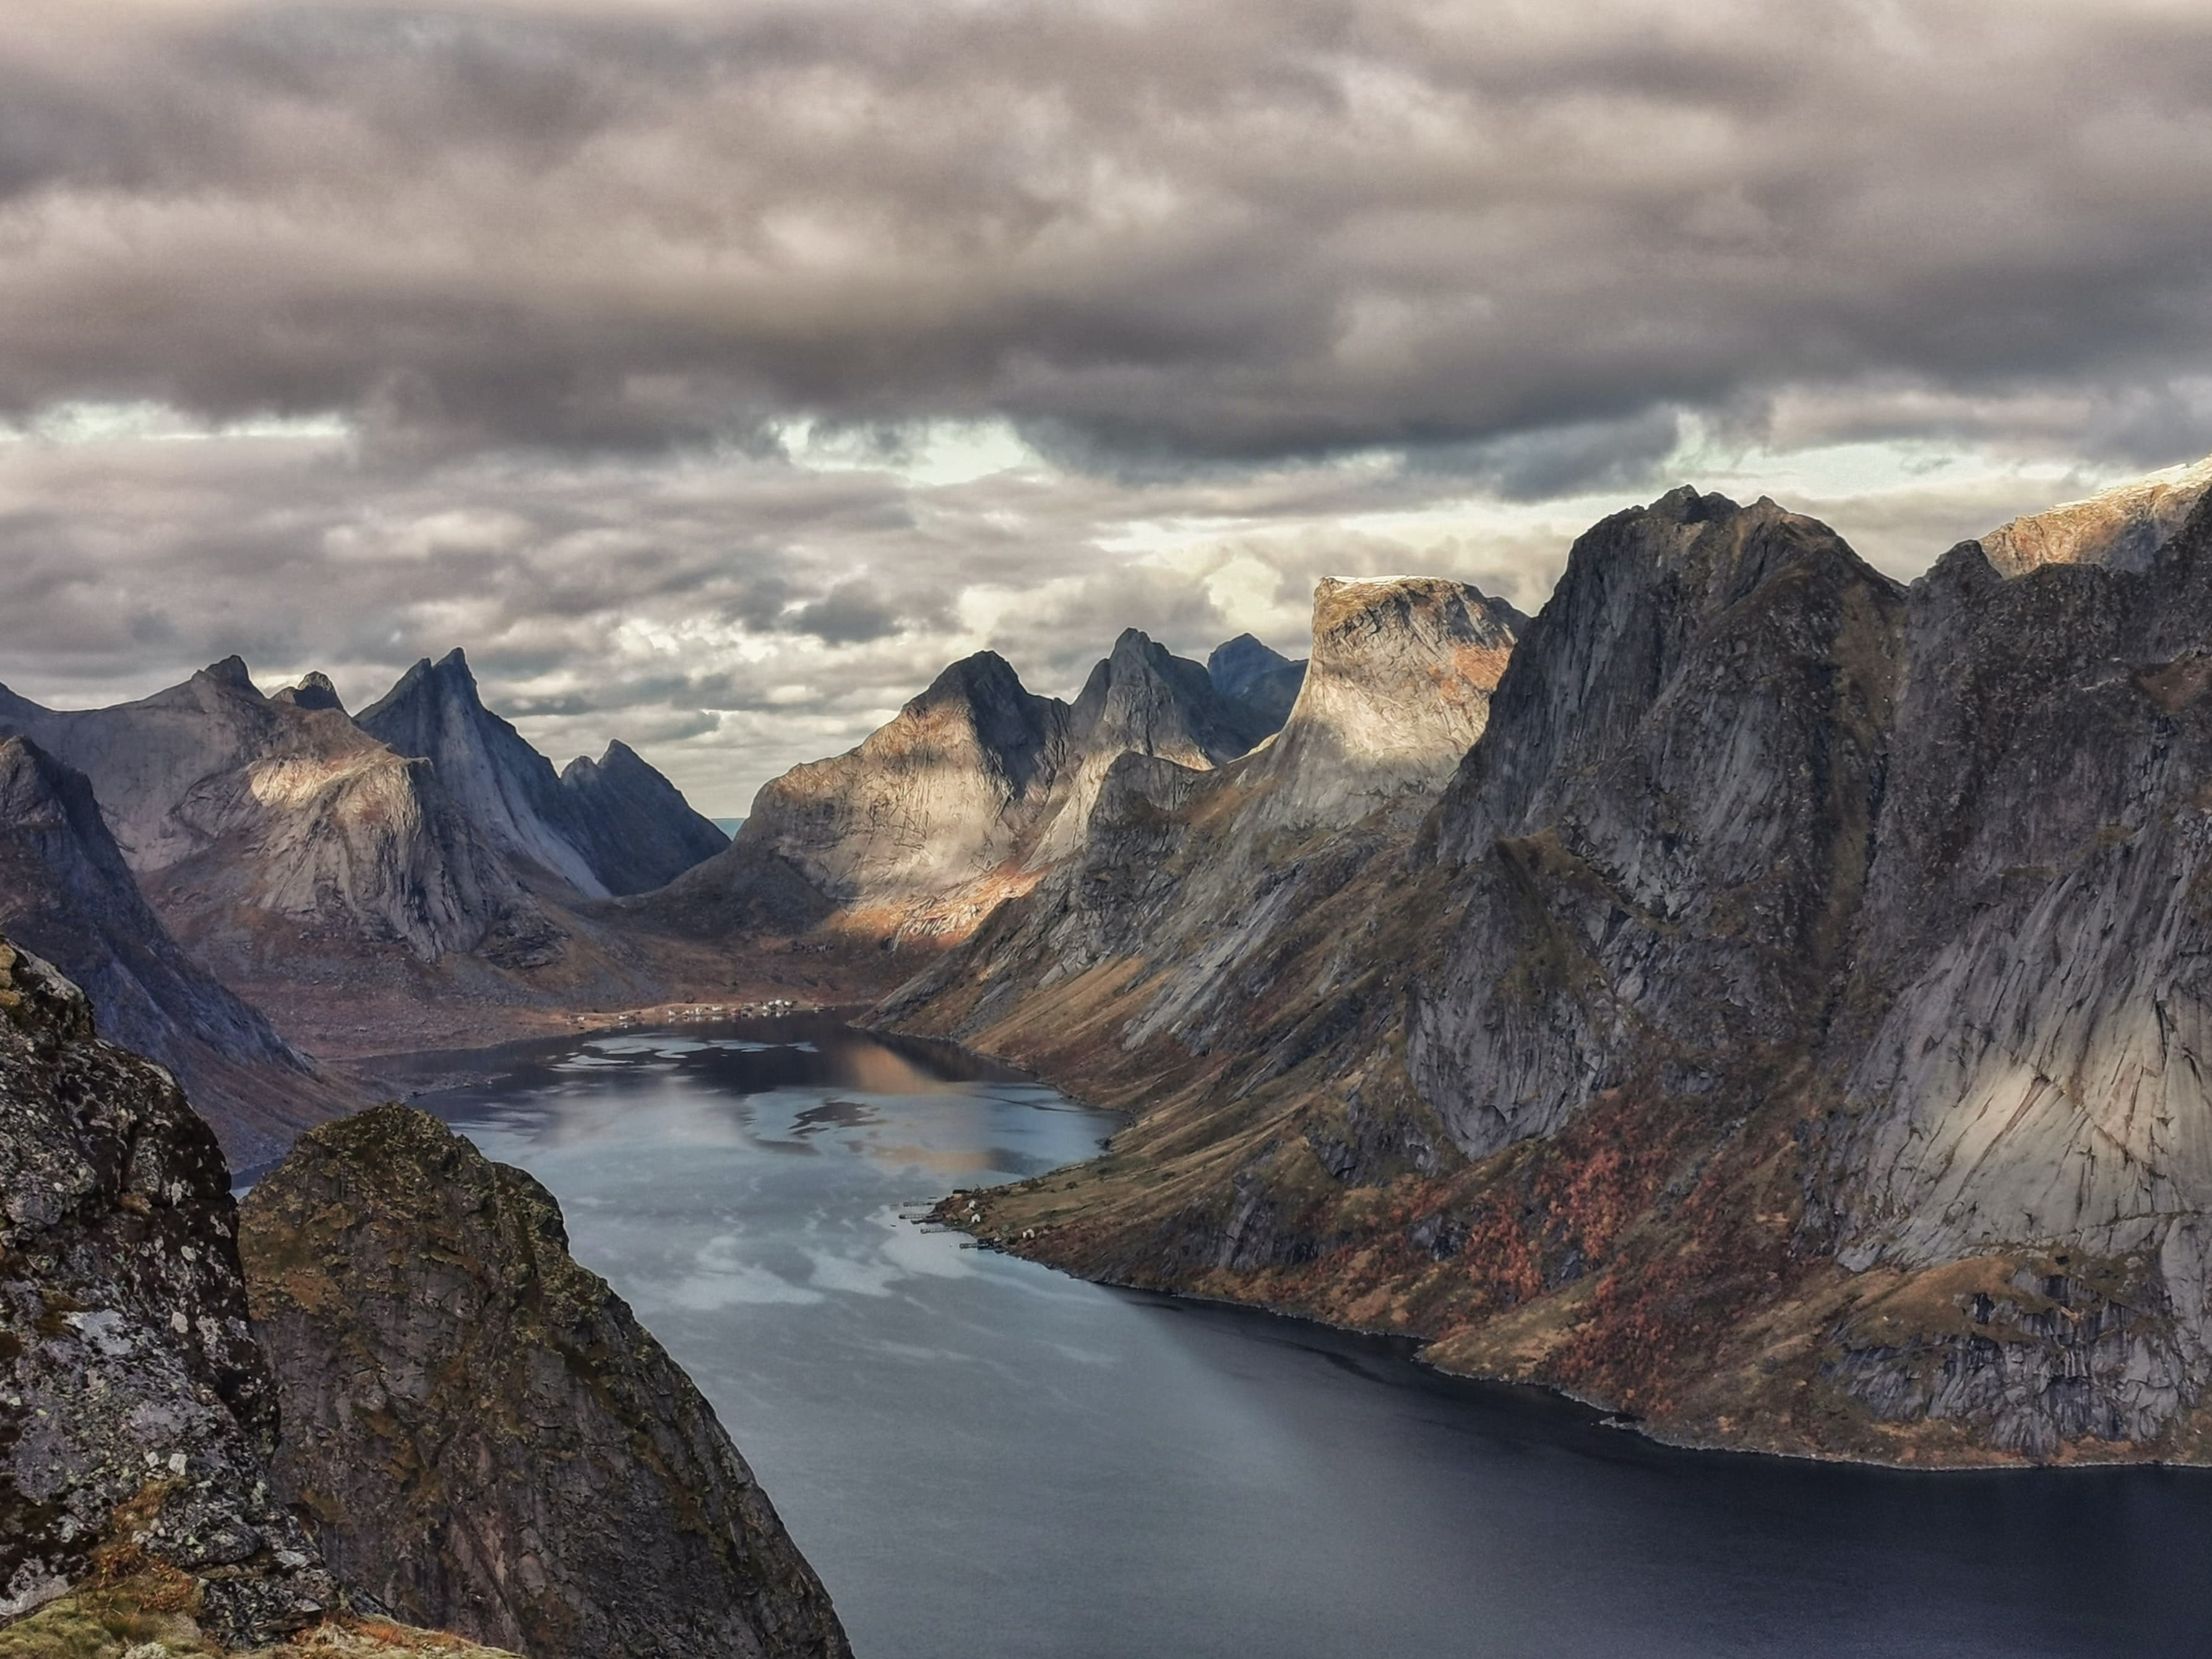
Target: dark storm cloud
pixel 1244 230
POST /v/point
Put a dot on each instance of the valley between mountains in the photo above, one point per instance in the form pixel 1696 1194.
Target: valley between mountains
pixel 1754 995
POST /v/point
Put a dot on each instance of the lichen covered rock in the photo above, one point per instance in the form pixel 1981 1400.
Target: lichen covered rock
pixel 488 1439
pixel 136 1413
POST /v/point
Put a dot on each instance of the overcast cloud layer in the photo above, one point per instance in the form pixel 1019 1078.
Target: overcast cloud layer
pixel 714 374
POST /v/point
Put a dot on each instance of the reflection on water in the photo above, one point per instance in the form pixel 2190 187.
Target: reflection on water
pixel 988 1460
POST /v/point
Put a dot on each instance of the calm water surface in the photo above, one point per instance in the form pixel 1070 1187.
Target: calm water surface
pixel 985 1459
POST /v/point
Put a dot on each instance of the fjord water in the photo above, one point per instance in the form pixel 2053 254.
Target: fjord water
pixel 986 1460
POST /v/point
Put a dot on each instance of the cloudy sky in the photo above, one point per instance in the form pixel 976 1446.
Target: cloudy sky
pixel 713 373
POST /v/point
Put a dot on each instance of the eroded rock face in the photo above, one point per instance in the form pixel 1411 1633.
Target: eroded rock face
pixel 2032 994
pixel 632 823
pixel 507 789
pixel 1396 692
pixel 136 1413
pixel 1661 841
pixel 66 893
pixel 449 1376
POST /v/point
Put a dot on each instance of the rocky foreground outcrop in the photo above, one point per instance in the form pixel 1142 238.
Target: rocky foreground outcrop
pixel 467 1423
pixel 137 1417
pixel 448 1377
pixel 1782 1028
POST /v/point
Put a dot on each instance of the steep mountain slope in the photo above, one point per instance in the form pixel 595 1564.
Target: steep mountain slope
pixel 1779 1028
pixel 507 789
pixel 230 805
pixel 1261 679
pixel 2022 1087
pixel 343 888
pixel 1194 888
pixel 634 826
pixel 449 1376
pixel 66 893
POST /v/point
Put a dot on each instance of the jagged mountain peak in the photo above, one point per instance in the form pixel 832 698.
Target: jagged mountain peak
pixel 1235 663
pixel 231 671
pixel 1143 696
pixel 314 691
pixel 632 823
pixel 2121 528
pixel 487 766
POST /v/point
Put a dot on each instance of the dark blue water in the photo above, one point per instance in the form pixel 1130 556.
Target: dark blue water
pixel 986 1459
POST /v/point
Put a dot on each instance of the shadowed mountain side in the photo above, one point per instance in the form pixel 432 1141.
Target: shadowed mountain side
pixel 508 789
pixel 1555 1085
pixel 1261 680
pixel 421 1311
pixel 633 825
pixel 66 893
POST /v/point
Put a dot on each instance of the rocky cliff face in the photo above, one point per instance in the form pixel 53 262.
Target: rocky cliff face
pixel 2123 528
pixel 66 893
pixel 1662 842
pixel 506 788
pixel 135 1414
pixel 1780 1027
pixel 634 826
pixel 449 1374
pixel 2020 1033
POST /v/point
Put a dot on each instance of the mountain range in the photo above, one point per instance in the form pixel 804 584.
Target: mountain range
pixel 1753 994
pixel 355 877
pixel 1780 1024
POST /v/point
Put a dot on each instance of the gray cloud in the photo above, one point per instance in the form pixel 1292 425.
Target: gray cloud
pixel 1250 231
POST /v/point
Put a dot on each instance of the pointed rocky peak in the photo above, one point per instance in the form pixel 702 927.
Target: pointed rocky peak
pixel 1234 665
pixel 1144 697
pixel 2122 528
pixel 1256 678
pixel 314 691
pixel 490 772
pixel 632 823
pixel 230 672
pixel 1681 588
